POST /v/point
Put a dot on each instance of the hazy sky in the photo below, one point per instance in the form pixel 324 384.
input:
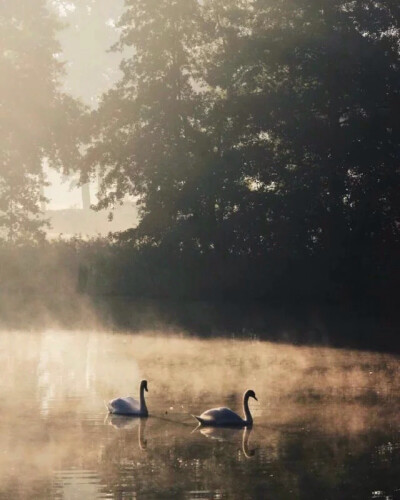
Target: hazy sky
pixel 89 73
pixel 60 192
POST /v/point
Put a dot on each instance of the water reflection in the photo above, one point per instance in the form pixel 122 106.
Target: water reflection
pixel 123 422
pixel 328 423
pixel 229 435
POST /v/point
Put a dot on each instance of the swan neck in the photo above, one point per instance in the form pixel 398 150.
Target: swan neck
pixel 143 407
pixel 247 414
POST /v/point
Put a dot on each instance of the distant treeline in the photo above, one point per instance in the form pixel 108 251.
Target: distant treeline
pixel 261 140
pixel 104 268
pixel 100 285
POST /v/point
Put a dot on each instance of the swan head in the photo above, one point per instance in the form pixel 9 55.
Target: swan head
pixel 144 385
pixel 251 394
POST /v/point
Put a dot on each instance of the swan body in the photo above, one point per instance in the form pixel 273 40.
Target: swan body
pixel 226 417
pixel 130 406
pixel 220 416
pixel 124 406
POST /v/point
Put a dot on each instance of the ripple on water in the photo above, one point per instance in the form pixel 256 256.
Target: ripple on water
pixel 78 484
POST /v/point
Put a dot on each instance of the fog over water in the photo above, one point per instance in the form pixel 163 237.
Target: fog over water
pixel 326 424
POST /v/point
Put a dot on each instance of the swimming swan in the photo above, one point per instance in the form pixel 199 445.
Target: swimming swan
pixel 226 417
pixel 130 406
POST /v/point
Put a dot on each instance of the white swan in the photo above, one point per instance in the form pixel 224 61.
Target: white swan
pixel 226 417
pixel 130 406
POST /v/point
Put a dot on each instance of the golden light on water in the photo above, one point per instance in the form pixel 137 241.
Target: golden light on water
pixel 55 383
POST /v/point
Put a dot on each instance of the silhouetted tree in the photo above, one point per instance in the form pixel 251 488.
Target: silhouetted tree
pixel 147 131
pixel 260 137
pixel 312 95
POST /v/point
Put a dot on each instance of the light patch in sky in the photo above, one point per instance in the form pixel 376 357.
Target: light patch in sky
pixel 65 7
pixel 61 192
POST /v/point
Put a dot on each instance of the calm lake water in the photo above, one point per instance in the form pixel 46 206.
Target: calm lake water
pixel 326 426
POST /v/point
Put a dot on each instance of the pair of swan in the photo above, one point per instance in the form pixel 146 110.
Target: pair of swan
pixel 213 417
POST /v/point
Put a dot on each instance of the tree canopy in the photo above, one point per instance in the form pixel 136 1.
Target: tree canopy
pixel 259 138
pixel 258 131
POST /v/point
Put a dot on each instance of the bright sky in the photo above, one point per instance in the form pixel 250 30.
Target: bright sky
pixel 60 193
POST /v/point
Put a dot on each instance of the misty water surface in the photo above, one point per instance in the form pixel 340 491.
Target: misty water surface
pixel 327 424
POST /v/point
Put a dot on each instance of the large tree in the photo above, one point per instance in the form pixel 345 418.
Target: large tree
pixel 147 135
pixel 259 132
pixel 310 99
pixel 35 116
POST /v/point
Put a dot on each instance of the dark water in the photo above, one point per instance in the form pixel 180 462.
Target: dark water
pixel 326 426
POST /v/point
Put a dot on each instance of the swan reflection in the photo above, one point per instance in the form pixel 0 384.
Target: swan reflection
pixel 128 423
pixel 227 434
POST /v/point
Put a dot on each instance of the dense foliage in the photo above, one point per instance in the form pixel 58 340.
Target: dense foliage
pixel 259 138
